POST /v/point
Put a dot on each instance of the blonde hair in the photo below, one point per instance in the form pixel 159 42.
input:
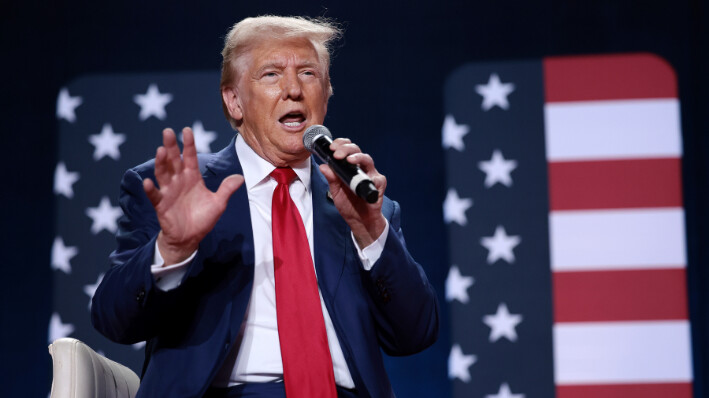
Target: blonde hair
pixel 246 33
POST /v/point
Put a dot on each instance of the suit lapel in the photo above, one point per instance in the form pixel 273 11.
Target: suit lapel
pixel 332 240
pixel 236 220
pixel 233 233
pixel 232 239
pixel 330 233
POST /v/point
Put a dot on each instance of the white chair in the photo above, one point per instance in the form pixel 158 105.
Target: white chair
pixel 79 372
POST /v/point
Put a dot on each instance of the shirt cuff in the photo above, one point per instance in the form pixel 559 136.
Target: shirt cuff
pixel 168 277
pixel 370 254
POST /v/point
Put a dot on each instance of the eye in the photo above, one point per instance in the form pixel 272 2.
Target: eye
pixel 269 77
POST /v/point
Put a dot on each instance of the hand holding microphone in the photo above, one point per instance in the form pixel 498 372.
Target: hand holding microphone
pixel 317 139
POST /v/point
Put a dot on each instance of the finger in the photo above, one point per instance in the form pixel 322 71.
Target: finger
pixel 228 186
pixel 152 192
pixel 380 182
pixel 346 149
pixel 163 170
pixel 363 160
pixel 338 142
pixel 173 151
pixel 336 184
pixel 189 151
pixel 167 140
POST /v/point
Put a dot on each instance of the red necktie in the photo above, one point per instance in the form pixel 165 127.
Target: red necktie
pixel 307 364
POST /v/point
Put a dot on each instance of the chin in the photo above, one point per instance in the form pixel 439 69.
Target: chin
pixel 292 147
pixel 293 142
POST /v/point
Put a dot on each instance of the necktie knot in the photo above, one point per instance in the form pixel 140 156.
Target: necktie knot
pixel 283 175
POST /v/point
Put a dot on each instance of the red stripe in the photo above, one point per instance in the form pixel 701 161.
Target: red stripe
pixel 655 390
pixel 628 295
pixel 612 184
pixel 608 77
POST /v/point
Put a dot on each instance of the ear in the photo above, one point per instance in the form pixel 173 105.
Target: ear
pixel 230 96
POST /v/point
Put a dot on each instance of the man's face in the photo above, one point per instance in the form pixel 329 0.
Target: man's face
pixel 281 91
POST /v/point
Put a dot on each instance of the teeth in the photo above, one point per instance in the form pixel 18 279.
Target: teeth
pixel 292 124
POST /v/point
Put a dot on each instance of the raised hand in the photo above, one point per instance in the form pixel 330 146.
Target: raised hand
pixel 365 219
pixel 185 208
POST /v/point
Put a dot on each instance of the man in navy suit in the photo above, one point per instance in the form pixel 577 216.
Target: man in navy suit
pixel 193 273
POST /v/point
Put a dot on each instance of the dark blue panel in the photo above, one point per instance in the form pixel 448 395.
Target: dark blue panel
pixel 520 206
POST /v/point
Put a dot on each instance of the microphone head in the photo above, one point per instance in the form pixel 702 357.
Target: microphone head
pixel 312 133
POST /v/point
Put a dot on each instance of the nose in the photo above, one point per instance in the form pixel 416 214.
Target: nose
pixel 291 85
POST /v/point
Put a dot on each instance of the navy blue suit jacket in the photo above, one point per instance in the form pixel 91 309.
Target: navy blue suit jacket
pixel 190 330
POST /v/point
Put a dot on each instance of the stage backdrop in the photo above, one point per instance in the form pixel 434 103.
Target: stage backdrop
pixel 456 101
pixel 564 206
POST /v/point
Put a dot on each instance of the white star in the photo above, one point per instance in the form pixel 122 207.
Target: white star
pixel 494 93
pixel 107 142
pixel 104 216
pixel 64 179
pixel 202 138
pixel 458 364
pixel 500 245
pixel 138 346
pixel 505 392
pixel 457 285
pixel 57 329
pixel 61 255
pixel 454 208
pixel 66 105
pixel 502 324
pixel 453 133
pixel 90 290
pixel 152 103
pixel 497 169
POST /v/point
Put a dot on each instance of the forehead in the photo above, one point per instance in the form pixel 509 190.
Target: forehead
pixel 282 51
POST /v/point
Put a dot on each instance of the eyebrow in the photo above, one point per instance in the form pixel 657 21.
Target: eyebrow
pixel 281 65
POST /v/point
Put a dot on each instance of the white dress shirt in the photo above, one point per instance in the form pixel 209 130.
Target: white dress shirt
pixel 256 357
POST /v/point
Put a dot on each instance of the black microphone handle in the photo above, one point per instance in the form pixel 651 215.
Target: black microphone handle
pixel 349 173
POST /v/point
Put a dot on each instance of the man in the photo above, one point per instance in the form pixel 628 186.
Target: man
pixel 289 286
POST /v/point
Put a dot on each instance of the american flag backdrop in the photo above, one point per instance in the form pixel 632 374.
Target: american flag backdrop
pixel 566 229
pixel 564 212
pixel 107 124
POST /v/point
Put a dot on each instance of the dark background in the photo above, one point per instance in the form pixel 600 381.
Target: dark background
pixel 388 74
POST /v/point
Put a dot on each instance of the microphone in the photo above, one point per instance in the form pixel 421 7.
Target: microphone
pixel 317 139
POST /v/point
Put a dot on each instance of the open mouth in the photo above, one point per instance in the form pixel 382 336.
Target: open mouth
pixel 293 119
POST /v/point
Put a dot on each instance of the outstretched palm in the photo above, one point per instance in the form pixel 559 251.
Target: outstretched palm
pixel 185 208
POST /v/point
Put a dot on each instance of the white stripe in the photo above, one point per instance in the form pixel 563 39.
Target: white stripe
pixel 617 239
pixel 613 129
pixel 622 352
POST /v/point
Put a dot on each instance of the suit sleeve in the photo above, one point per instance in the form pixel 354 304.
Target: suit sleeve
pixel 128 307
pixel 403 302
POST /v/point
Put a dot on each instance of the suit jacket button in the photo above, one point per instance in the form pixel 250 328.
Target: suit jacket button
pixel 140 296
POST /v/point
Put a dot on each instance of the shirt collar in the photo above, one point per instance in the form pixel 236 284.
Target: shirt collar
pixel 257 169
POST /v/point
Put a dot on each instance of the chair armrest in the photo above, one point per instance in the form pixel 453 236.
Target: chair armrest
pixel 78 372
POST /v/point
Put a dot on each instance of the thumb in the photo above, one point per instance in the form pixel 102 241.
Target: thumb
pixel 229 186
pixel 335 183
pixel 328 173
